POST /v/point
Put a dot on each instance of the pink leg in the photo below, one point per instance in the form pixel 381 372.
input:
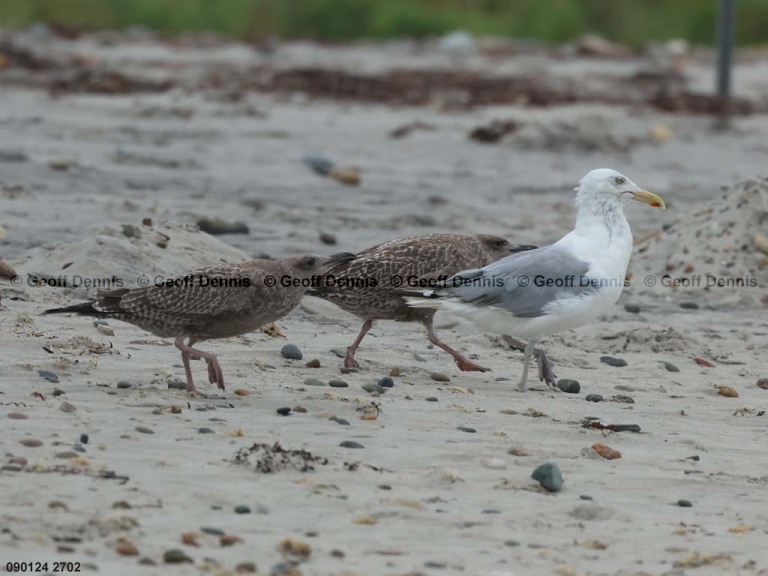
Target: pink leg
pixel 185 360
pixel 349 360
pixel 463 363
pixel 215 374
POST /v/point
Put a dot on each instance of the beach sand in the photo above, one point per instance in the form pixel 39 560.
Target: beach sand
pixel 442 483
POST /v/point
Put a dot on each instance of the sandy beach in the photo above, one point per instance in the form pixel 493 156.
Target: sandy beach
pixel 114 147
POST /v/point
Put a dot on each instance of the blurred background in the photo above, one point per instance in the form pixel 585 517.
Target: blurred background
pixel 288 126
pixel 631 22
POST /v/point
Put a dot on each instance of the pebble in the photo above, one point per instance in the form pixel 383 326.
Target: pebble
pixel 549 476
pixel 371 388
pixel 606 452
pixel 67 455
pixel 439 377
pixel 79 448
pixel 205 431
pixel 314 382
pixel 291 352
pixel 594 398
pixel 17 416
pixel 31 442
pixel 122 385
pixel 419 357
pixel 726 391
pixel 689 305
pixel 48 375
pixel 57 392
pixel 242 509
pixel 625 388
pixel 106 330
pixel 386 382
pixel 67 407
pixel 300 409
pixel 338 420
pixel 348 176
pixel 632 308
pixel 246 568
pixel 319 164
pixel 339 352
pixel 763 383
pixel 345 370
pixel 511 543
pixel 623 399
pixel 569 386
pixel 314 363
pixel 626 428
pixel 671 367
pixel 144 430
pixel 218 226
pixel 466 429
pixel 328 238
pixel 351 444
pixel 177 385
pixel 684 503
pixel 585 497
pixel 212 531
pixel 176 556
pixel 284 411
pixel 126 548
pixel 11 468
pixel 338 384
pixel 611 361
pixel 395 372
pixel 431 399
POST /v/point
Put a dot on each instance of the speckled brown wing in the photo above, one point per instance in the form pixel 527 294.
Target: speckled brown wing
pixel 210 303
pixel 396 264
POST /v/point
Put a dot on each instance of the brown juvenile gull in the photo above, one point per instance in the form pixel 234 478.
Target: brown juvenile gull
pixel 557 287
pixel 365 285
pixel 216 302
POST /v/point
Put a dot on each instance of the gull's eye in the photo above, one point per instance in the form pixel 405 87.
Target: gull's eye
pixel 619 180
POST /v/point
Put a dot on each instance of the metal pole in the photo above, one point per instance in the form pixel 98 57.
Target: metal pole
pixel 726 20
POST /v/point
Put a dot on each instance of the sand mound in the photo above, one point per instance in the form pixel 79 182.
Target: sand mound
pixel 718 253
pixel 126 257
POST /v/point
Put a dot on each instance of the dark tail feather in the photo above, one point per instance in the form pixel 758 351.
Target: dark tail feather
pixel 522 248
pixel 337 260
pixel 85 308
pixel 427 294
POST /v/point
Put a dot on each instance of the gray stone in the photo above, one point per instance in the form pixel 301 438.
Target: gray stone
pixel 549 476
pixel 291 352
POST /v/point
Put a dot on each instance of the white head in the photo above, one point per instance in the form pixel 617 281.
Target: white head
pixel 605 189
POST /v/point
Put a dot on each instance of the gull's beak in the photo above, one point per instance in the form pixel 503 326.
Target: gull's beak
pixel 649 198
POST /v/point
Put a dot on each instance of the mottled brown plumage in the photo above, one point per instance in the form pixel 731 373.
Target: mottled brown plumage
pixel 217 302
pixel 403 263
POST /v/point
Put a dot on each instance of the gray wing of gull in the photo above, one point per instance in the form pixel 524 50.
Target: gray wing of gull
pixel 524 283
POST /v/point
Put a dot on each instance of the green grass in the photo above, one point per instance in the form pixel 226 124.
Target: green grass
pixel 630 21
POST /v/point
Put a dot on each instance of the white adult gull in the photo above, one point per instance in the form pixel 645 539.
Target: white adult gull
pixel 553 288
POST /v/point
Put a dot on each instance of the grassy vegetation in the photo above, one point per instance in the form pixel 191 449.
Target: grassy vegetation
pixel 629 21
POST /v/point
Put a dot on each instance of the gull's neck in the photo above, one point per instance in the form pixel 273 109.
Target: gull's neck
pixel 606 215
